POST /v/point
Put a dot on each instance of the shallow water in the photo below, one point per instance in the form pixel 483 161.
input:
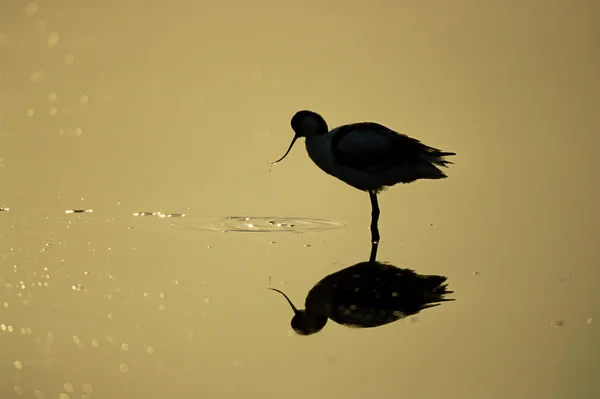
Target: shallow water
pixel 134 151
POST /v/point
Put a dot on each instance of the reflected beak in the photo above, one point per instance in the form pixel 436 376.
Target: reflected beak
pixel 275 289
pixel 279 160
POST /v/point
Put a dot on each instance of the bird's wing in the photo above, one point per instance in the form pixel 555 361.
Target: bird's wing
pixel 371 147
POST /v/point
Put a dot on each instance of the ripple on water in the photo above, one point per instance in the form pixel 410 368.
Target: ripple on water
pixel 250 224
pixel 264 224
pixel 73 217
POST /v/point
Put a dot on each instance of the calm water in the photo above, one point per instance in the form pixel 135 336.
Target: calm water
pixel 123 109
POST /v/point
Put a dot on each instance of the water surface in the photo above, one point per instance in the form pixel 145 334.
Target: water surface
pixel 162 119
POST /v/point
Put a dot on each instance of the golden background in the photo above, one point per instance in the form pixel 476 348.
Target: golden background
pixel 130 106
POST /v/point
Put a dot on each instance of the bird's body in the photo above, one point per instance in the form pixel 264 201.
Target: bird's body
pixel 367 156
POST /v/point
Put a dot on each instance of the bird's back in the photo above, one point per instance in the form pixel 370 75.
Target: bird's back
pixel 380 156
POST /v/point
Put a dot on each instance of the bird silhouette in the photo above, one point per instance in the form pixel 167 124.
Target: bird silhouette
pixel 367 156
pixel 365 295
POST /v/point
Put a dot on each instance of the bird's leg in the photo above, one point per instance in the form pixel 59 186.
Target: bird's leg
pixel 373 256
pixel 374 217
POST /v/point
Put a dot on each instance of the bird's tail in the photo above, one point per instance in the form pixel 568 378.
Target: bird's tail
pixel 426 166
pixel 437 157
pixel 431 160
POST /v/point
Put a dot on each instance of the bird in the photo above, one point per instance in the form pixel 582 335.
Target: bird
pixel 367 295
pixel 367 156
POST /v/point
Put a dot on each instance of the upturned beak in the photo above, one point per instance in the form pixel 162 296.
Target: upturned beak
pixel 281 159
pixel 281 292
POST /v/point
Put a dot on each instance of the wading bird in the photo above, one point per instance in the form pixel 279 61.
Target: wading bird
pixel 367 156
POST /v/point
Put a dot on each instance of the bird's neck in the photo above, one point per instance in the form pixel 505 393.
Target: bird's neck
pixel 318 148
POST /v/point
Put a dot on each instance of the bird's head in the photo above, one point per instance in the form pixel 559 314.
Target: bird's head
pixel 305 124
pixel 308 123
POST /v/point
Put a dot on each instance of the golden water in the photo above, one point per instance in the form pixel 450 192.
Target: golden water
pixel 123 107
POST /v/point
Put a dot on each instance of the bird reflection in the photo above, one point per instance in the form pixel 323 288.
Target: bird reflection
pixel 367 294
